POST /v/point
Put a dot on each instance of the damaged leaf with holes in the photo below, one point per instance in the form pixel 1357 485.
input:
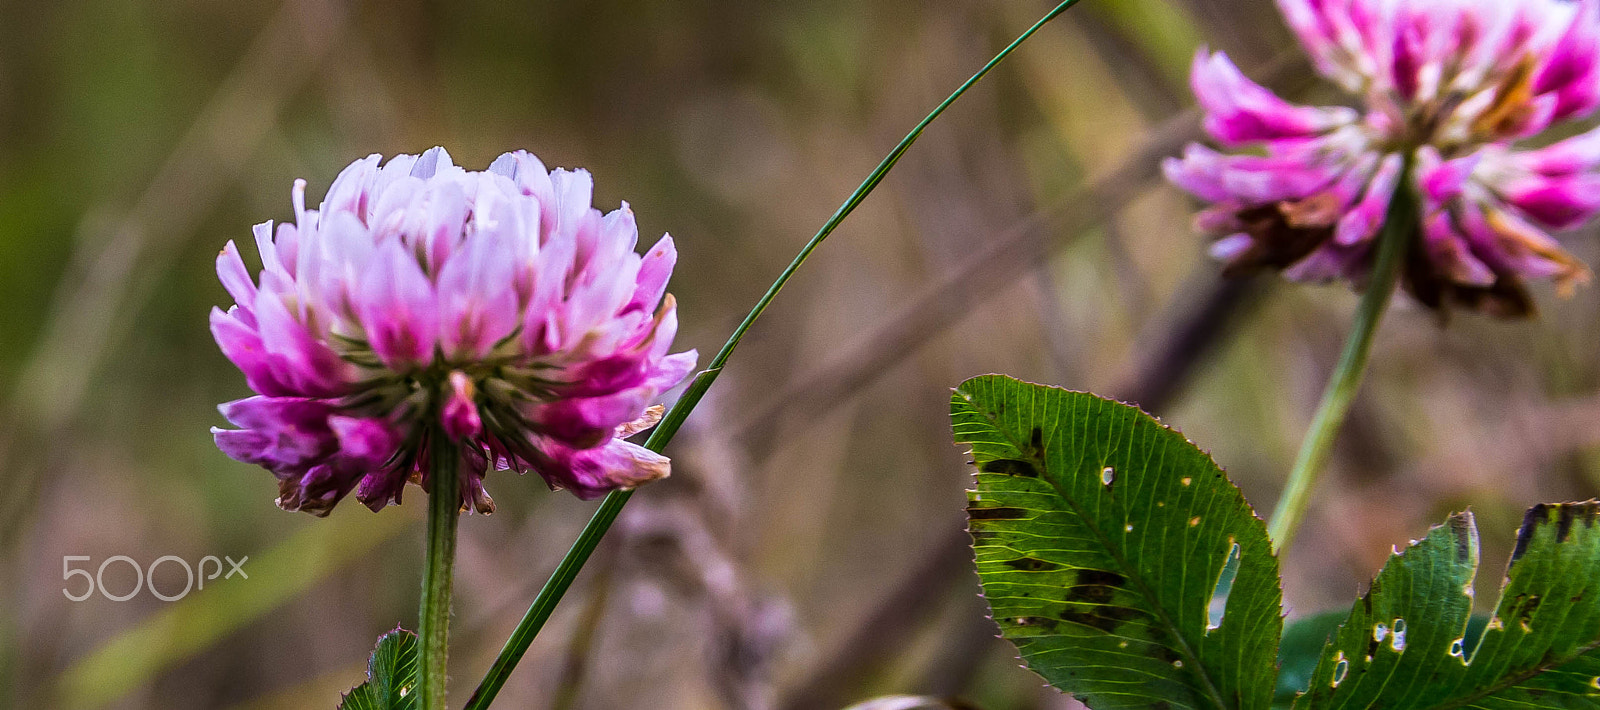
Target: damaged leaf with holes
pixel 391 676
pixel 1101 540
pixel 1298 652
pixel 1407 644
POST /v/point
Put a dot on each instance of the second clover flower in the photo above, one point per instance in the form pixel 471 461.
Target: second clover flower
pixel 498 309
pixel 1451 87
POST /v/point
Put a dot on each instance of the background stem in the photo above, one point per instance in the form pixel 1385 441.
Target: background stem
pixel 579 553
pixel 1400 229
pixel 433 626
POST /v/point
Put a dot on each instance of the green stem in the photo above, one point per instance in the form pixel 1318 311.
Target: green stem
pixel 579 553
pixel 433 626
pixel 1399 231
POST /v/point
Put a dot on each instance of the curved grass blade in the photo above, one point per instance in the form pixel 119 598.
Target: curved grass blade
pixel 1407 644
pixel 1100 538
pixel 544 604
pixel 391 676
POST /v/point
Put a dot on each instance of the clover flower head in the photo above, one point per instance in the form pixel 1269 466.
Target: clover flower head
pixel 497 309
pixel 1452 88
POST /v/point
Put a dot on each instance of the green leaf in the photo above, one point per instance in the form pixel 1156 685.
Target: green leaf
pixel 1298 653
pixel 1407 644
pixel 1100 538
pixel 1304 639
pixel 391 676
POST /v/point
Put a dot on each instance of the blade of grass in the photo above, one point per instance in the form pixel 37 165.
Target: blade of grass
pixel 561 579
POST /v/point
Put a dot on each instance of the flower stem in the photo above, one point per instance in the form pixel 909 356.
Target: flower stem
pixel 579 553
pixel 1399 231
pixel 433 626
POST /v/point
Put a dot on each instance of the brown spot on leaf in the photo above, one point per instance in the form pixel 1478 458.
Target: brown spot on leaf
pixel 1166 654
pixel 1564 522
pixel 1524 606
pixel 1044 622
pixel 1010 467
pixel 1461 528
pixel 1094 619
pixel 1096 589
pixel 1032 564
pixel 996 513
pixel 1530 522
pixel 1095 586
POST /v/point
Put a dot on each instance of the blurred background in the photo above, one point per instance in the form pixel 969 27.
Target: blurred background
pixel 808 551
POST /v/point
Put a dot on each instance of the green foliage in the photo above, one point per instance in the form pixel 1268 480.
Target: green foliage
pixel 1537 650
pixel 1100 538
pixel 391 676
pixel 1298 653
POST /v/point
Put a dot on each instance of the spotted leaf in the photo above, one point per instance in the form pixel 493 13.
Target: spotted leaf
pixel 1407 644
pixel 1101 540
